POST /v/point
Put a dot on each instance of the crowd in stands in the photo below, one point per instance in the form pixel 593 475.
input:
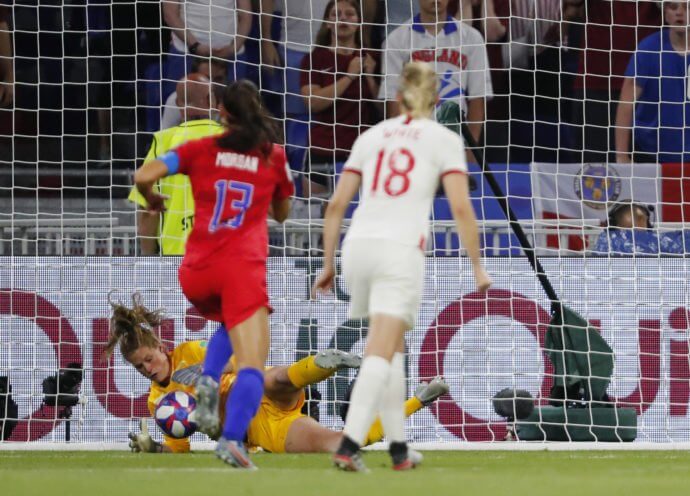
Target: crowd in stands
pixel 536 80
pixel 630 231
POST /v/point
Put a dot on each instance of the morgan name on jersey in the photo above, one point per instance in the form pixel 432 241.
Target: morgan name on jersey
pixel 237 161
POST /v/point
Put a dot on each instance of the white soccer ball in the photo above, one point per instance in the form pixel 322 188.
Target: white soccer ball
pixel 173 414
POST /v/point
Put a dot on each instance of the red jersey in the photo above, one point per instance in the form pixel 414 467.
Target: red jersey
pixel 232 193
pixel 613 31
pixel 337 130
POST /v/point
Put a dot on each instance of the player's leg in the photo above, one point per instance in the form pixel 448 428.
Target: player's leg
pixel 306 435
pixel 408 291
pixel 284 384
pixel 201 289
pixel 425 394
pixel 392 410
pixel 218 352
pixel 395 291
pixel 250 341
pixel 384 340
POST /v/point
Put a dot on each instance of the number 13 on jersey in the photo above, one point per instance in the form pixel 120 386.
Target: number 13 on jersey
pixel 392 172
pixel 239 205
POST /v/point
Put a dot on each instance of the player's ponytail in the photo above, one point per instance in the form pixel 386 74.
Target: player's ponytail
pixel 418 89
pixel 132 328
pixel 250 124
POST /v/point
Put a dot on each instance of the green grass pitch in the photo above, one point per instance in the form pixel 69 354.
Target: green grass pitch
pixel 471 473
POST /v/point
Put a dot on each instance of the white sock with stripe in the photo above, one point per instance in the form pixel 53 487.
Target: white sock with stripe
pixel 392 408
pixel 366 397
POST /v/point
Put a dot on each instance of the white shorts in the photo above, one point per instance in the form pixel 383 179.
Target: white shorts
pixel 383 277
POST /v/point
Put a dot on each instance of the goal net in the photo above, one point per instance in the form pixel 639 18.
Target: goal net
pixel 585 139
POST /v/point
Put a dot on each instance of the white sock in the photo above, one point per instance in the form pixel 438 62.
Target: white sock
pixel 366 397
pixel 392 407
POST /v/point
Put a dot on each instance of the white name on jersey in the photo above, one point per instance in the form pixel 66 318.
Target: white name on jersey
pixel 237 161
pixel 401 161
pixel 404 132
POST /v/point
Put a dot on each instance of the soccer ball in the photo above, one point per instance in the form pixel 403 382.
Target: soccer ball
pixel 173 414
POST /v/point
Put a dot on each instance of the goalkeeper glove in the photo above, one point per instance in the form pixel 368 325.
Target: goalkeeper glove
pixel 143 442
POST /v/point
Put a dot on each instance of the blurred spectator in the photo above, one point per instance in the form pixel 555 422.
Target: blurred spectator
pixel 480 14
pixel 281 62
pixel 532 53
pixel 339 87
pixel 612 30
pixel 215 70
pixel 675 242
pixel 653 108
pixel 99 73
pixel 205 29
pixel 627 242
pixel 630 231
pixel 397 12
pixel 168 235
pixel 6 64
pixel 534 26
pixel 457 51
pixel 629 215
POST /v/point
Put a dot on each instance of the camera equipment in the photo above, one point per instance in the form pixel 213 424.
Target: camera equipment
pixel 9 411
pixel 513 404
pixel 62 390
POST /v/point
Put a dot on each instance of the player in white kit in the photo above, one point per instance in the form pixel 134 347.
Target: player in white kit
pixel 398 164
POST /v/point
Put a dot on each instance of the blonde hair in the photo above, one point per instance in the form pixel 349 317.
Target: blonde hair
pixel 418 89
pixel 132 328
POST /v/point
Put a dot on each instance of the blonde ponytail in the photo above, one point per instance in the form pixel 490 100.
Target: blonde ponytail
pixel 132 328
pixel 418 89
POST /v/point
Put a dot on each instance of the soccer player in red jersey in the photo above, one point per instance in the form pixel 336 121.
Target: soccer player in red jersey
pixel 237 179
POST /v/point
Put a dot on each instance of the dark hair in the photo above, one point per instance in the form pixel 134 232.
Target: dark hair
pixel 323 37
pixel 132 328
pixel 197 61
pixel 629 206
pixel 250 125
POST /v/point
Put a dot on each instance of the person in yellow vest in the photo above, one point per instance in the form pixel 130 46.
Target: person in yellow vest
pixel 167 233
pixel 279 425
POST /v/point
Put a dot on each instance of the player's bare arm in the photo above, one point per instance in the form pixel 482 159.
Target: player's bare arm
pixel 344 193
pixel 280 209
pixel 144 179
pixel 458 192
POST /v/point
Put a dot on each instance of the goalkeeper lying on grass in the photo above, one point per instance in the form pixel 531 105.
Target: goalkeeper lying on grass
pixel 279 425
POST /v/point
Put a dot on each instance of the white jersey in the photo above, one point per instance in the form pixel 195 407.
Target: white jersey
pixel 302 20
pixel 213 22
pixel 401 161
pixel 457 53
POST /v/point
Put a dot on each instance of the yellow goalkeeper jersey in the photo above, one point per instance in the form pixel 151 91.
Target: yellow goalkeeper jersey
pixel 178 219
pixel 185 355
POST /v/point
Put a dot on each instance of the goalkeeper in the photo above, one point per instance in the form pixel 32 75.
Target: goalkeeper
pixel 279 426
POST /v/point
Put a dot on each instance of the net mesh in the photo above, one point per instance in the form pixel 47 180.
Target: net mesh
pixel 579 108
